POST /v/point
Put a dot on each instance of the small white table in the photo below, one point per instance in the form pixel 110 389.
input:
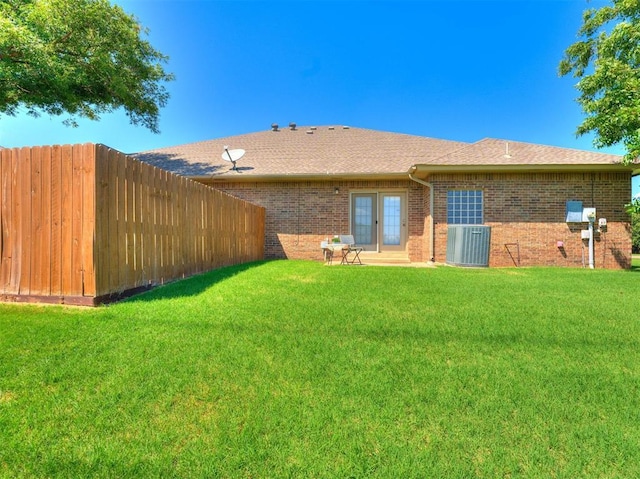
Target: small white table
pixel 328 248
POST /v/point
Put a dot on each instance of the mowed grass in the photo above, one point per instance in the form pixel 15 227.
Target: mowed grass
pixel 294 369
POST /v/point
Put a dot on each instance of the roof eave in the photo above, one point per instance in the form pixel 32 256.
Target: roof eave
pixel 239 177
pixel 424 171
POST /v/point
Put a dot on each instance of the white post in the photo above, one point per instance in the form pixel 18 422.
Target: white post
pixel 591 254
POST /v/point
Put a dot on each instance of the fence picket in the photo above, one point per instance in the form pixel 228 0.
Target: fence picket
pixel 86 221
pixel 129 218
pixel 44 252
pixel 35 226
pixel 25 247
pixel 66 258
pixel 76 220
pixel 101 251
pixel 15 229
pixel 5 219
pixel 56 221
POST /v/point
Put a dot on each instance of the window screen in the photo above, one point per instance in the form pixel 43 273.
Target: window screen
pixel 464 207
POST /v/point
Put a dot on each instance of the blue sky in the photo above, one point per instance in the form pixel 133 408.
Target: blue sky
pixel 457 70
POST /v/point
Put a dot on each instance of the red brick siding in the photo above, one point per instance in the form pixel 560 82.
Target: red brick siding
pixel 529 210
pixel 299 215
pixel 525 209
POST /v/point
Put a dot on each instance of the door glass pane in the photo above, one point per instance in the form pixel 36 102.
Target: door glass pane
pixel 391 221
pixel 363 220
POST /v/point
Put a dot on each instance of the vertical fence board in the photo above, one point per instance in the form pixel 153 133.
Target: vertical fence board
pixel 135 223
pixel 180 226
pixel 121 239
pixel 102 249
pixel 112 208
pixel 35 227
pixel 15 229
pixel 182 223
pixel 76 269
pixel 195 231
pixel 66 183
pixel 56 221
pixel 141 224
pixel 203 230
pixel 172 232
pixel 129 219
pixel 158 226
pixel 156 248
pixel 26 247
pixel 146 218
pixel 5 219
pixel 164 199
pixel 45 212
pixel 88 219
pixel 169 219
pixel 192 232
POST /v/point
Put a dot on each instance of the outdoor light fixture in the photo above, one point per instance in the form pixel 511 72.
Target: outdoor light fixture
pixel 337 190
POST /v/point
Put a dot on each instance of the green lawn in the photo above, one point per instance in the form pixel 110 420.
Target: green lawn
pixel 294 369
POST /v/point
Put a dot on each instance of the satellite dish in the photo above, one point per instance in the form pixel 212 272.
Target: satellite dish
pixel 232 155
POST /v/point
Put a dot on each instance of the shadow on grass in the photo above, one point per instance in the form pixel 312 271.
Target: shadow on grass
pixel 193 285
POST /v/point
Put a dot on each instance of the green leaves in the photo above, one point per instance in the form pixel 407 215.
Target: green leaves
pixel 633 208
pixel 81 57
pixel 607 61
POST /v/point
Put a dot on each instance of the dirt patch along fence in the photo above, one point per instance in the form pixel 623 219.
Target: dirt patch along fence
pixel 83 223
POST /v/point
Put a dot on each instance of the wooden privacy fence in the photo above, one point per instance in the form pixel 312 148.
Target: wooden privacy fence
pixel 80 224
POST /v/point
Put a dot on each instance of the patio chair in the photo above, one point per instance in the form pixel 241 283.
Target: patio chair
pixel 350 247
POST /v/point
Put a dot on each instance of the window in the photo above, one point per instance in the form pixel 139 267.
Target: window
pixel 363 219
pixel 392 220
pixel 464 207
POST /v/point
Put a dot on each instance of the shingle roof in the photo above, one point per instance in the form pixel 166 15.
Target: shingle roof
pixel 503 152
pixel 305 151
pixel 344 151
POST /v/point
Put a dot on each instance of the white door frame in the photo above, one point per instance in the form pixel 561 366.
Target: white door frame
pixel 399 218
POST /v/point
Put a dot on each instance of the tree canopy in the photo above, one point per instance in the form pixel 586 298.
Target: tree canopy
pixel 78 57
pixel 607 61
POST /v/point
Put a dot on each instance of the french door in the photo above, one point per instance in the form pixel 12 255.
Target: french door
pixel 379 220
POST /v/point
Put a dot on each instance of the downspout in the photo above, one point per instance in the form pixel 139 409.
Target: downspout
pixel 433 224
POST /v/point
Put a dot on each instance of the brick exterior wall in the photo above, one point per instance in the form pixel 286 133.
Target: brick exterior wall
pixel 299 215
pixel 526 212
